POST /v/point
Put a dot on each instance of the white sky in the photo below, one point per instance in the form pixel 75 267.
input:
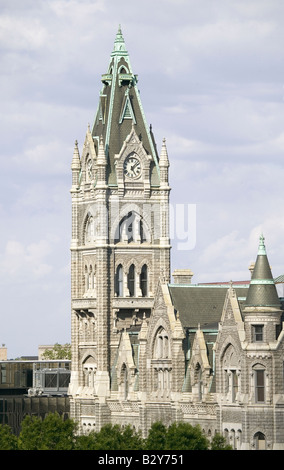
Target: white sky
pixel 211 80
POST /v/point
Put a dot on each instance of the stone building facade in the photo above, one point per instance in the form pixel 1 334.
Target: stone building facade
pixel 144 349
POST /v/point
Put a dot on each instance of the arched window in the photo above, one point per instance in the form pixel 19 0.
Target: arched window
pixel 231 373
pixel 199 381
pixel 144 281
pixel 124 381
pixel 90 369
pixel 161 348
pixel 162 366
pixel 131 229
pixel 89 169
pixel 260 441
pixel 259 381
pixel 131 281
pixel 86 279
pixel 90 230
pixel 119 281
pixel 90 280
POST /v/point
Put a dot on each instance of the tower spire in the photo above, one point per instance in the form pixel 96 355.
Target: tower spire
pixel 119 107
pixel 119 44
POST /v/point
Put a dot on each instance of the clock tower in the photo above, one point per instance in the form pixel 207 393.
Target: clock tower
pixel 120 244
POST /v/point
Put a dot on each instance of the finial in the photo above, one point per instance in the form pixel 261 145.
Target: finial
pixel 261 246
pixel 119 44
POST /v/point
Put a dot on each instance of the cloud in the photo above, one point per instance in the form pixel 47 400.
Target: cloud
pixel 211 81
pixel 21 264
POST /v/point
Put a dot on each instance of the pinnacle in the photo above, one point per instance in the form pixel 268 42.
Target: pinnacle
pixel 76 157
pixel 101 153
pixel 164 160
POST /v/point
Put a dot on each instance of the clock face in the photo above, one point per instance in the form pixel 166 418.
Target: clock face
pixel 132 167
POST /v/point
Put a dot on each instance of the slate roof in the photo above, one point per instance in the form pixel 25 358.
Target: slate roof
pixel 201 304
pixel 279 279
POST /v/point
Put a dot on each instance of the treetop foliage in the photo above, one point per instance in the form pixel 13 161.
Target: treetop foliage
pixel 54 433
pixel 59 351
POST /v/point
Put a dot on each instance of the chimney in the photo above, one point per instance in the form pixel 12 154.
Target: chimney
pixel 251 268
pixel 3 353
pixel 182 276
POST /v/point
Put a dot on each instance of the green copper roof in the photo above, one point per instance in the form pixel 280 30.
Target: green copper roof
pixel 262 291
pixel 119 108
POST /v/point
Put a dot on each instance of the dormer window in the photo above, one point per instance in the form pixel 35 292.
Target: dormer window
pixel 257 333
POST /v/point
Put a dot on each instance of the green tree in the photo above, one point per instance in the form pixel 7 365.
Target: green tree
pixel 184 436
pixel 51 433
pixel 8 441
pixel 59 351
pixel 131 439
pixel 156 438
pixel 219 443
pixel 111 437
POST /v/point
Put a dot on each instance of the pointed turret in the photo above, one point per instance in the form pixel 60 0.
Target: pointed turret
pixel 262 291
pixel 119 108
pixel 75 165
pixel 164 160
pixel 164 165
pixel 262 308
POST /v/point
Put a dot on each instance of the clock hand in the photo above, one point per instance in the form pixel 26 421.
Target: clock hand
pixel 134 166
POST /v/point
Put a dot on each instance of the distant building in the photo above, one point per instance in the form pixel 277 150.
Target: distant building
pixel 3 353
pixel 144 349
pixel 32 387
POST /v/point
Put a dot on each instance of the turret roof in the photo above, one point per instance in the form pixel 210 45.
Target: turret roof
pixel 262 291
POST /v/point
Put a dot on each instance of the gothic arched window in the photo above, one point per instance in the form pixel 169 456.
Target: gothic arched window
pixel 90 230
pixel 131 281
pixel 119 281
pixel 131 229
pixel 231 373
pixel 259 383
pixel 144 281
pixel 124 381
pixel 260 441
pixel 161 348
pixel 90 369
pixel 161 363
